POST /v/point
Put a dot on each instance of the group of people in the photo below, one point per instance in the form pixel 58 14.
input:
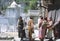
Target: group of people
pixel 21 30
pixel 45 26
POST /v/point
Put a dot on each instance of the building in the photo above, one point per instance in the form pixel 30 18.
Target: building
pixel 52 8
pixel 35 14
pixel 10 17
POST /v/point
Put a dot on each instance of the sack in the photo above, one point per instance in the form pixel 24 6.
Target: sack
pixel 33 35
pixel 50 33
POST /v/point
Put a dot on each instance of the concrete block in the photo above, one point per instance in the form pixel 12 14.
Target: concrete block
pixel 17 39
pixel 58 40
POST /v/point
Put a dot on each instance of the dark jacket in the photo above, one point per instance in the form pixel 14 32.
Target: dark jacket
pixel 21 24
pixel 57 30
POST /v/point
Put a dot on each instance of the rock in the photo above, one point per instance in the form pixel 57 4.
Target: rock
pixel 58 40
pixel 17 39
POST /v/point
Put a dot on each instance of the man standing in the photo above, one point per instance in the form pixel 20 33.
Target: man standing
pixel 30 28
pixel 20 28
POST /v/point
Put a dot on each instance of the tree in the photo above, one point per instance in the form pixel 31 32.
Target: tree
pixel 30 4
pixel 33 4
pixel 4 4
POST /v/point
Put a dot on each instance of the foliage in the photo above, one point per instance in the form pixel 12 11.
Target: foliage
pixel 31 4
pixel 4 4
pixel 25 9
pixel 3 8
pixel 18 1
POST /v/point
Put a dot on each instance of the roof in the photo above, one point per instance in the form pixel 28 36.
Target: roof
pixel 13 5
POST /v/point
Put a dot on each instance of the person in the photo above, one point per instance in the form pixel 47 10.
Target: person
pixel 42 28
pixel 57 30
pixel 45 23
pixel 20 28
pixel 30 28
pixel 39 19
pixel 49 28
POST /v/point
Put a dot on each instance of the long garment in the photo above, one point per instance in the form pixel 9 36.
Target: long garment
pixel 41 33
pixel 50 30
pixel 57 30
pixel 49 33
pixel 42 30
pixel 30 28
pixel 20 29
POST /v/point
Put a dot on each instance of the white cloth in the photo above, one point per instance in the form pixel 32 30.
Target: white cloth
pixel 58 40
pixel 39 20
pixel 35 34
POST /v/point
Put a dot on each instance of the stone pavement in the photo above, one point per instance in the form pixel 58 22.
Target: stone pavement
pixel 18 39
pixel 15 35
pixel 9 34
pixel 5 40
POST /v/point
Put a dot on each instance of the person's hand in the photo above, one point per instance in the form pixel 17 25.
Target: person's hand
pixel 47 25
pixel 50 28
pixel 18 26
pixel 23 28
